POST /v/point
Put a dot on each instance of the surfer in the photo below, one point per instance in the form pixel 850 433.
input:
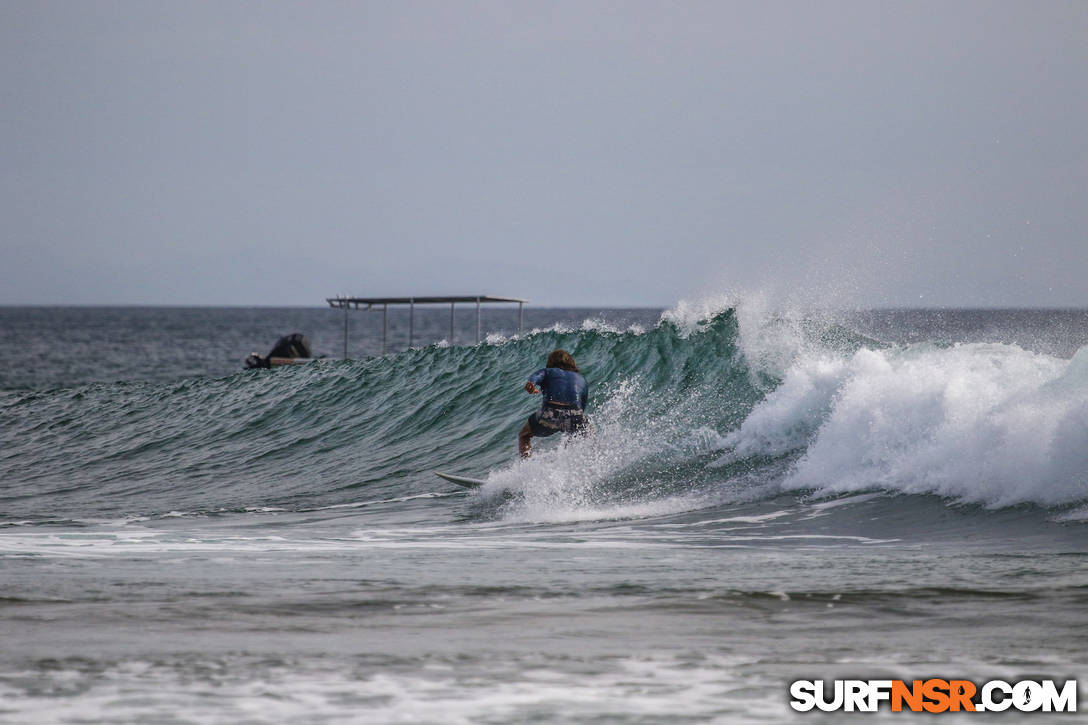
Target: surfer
pixel 562 411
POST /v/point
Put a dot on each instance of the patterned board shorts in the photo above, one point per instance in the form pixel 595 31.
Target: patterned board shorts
pixel 551 419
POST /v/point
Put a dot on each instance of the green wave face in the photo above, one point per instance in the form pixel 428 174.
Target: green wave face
pixel 313 435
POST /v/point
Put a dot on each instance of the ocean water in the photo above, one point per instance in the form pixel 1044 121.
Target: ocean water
pixel 766 496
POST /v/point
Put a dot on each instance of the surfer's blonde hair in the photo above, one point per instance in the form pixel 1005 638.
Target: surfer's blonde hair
pixel 562 359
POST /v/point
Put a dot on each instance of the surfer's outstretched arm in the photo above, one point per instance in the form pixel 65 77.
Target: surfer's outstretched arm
pixel 535 380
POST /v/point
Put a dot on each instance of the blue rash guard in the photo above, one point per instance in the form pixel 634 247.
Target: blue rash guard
pixel 561 387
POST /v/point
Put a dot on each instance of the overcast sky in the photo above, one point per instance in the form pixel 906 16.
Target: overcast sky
pixel 576 153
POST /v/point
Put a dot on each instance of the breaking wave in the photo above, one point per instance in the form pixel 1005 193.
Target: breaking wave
pixel 718 404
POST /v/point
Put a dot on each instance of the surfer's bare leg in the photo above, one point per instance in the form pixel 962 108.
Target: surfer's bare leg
pixel 525 445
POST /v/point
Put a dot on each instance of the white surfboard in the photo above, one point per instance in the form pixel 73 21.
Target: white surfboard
pixel 461 480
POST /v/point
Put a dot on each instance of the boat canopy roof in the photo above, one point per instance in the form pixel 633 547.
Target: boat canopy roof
pixel 357 302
